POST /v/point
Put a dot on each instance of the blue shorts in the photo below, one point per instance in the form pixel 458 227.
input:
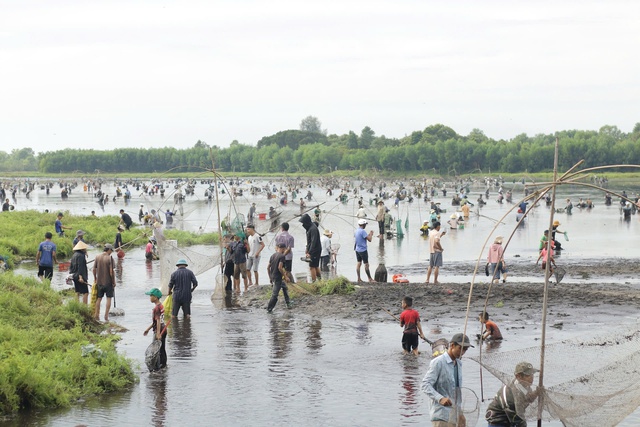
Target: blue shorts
pixel 435 259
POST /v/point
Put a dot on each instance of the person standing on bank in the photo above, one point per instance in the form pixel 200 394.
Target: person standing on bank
pixel 46 257
pixel 278 276
pixel 435 252
pixel 442 384
pixel 79 237
pixel 256 245
pixel 104 277
pixel 362 256
pixel 289 242
pixel 182 284
pixel 79 272
pixel 125 219
pixel 314 247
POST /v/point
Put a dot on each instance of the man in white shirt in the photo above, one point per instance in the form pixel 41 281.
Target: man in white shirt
pixel 256 245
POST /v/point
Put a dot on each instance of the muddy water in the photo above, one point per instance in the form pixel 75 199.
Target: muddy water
pixel 229 365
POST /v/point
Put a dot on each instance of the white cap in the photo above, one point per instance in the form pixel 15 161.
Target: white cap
pixel 362 222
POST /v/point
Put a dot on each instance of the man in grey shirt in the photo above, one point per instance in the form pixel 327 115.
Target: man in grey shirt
pixel 288 240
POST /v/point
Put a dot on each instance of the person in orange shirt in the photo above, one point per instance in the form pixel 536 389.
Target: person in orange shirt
pixel 491 330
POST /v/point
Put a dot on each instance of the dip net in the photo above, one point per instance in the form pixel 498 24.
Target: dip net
pixel 591 382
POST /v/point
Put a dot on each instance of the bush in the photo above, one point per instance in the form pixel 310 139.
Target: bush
pixel 41 340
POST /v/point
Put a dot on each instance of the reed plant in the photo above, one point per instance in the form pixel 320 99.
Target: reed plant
pixel 52 352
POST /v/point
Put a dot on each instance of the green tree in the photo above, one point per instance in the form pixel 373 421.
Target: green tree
pixel 312 124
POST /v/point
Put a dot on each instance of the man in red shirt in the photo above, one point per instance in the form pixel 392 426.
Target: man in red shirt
pixel 410 319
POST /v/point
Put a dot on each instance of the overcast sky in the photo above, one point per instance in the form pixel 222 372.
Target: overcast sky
pixel 156 73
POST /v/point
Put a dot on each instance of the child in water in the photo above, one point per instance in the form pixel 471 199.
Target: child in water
pixel 158 326
pixel 491 330
pixel 410 319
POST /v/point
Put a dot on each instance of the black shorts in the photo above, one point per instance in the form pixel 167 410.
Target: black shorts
pixel 46 272
pixel 186 308
pixel 314 261
pixel 287 263
pixel 81 288
pixel 105 290
pixel 362 257
pixel 409 341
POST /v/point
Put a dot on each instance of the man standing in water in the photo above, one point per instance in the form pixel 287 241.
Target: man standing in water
pixel 435 252
pixel 362 256
pixel 314 247
pixel 509 406
pixel 442 384
pixel 104 278
pixel 46 257
pixel 183 282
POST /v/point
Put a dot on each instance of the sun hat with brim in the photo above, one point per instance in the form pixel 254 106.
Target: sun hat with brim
pixel 498 240
pixel 155 292
pixel 556 222
pixel 80 246
pixel 181 261
pixel 362 222
pixel 462 340
pixel 80 233
pixel 525 368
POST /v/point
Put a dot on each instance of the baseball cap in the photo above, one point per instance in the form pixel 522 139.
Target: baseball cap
pixel 461 340
pixel 155 292
pixel 362 221
pixel 281 245
pixel 525 368
pixel 108 247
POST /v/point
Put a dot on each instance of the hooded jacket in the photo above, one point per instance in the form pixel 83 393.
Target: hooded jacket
pixel 314 246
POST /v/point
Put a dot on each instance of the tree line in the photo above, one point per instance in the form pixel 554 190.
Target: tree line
pixel 437 149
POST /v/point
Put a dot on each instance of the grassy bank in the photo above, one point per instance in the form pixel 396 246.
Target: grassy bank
pixel 41 349
pixel 24 230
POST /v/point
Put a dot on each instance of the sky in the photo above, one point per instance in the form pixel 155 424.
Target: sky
pixel 165 73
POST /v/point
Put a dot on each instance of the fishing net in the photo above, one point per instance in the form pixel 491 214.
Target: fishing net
pixel 559 273
pixel 152 355
pixel 590 382
pixel 170 253
pixel 466 404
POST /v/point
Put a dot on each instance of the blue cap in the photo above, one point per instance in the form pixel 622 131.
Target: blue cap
pixel 181 261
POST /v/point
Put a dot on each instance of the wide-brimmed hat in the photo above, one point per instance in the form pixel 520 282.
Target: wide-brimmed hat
pixel 181 261
pixel 79 233
pixel 362 221
pixel 525 368
pixel 556 222
pixel 462 340
pixel 155 292
pixel 80 246
pixel 498 240
pixel 327 232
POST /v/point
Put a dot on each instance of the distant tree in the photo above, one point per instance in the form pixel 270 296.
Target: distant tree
pixel 201 144
pixel 366 138
pixel 312 124
pixel 352 140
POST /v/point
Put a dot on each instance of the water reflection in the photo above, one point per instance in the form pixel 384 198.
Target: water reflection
pixel 119 270
pixel 281 338
pixel 149 269
pixel 409 401
pixel 181 342
pixel 314 339
pixel 157 389
pixel 381 251
pixel 362 334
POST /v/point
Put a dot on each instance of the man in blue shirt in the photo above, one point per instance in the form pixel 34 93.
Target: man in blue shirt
pixel 46 257
pixel 361 248
pixel 59 227
pixel 442 384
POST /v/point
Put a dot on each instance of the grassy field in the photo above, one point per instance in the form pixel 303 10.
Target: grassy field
pixel 52 351
pixel 24 230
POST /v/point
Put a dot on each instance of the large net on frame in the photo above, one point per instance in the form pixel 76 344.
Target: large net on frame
pixel 589 382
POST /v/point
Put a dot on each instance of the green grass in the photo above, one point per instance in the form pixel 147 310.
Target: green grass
pixel 24 230
pixel 41 339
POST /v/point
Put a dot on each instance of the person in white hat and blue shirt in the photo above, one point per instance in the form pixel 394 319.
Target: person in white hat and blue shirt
pixel 181 285
pixel 362 256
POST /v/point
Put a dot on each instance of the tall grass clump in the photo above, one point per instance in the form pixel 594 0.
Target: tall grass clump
pixel 41 349
pixel 187 238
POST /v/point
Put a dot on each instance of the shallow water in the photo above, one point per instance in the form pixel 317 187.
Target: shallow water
pixel 229 365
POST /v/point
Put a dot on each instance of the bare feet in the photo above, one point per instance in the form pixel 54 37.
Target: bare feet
pixel 436 283
pixel 371 280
